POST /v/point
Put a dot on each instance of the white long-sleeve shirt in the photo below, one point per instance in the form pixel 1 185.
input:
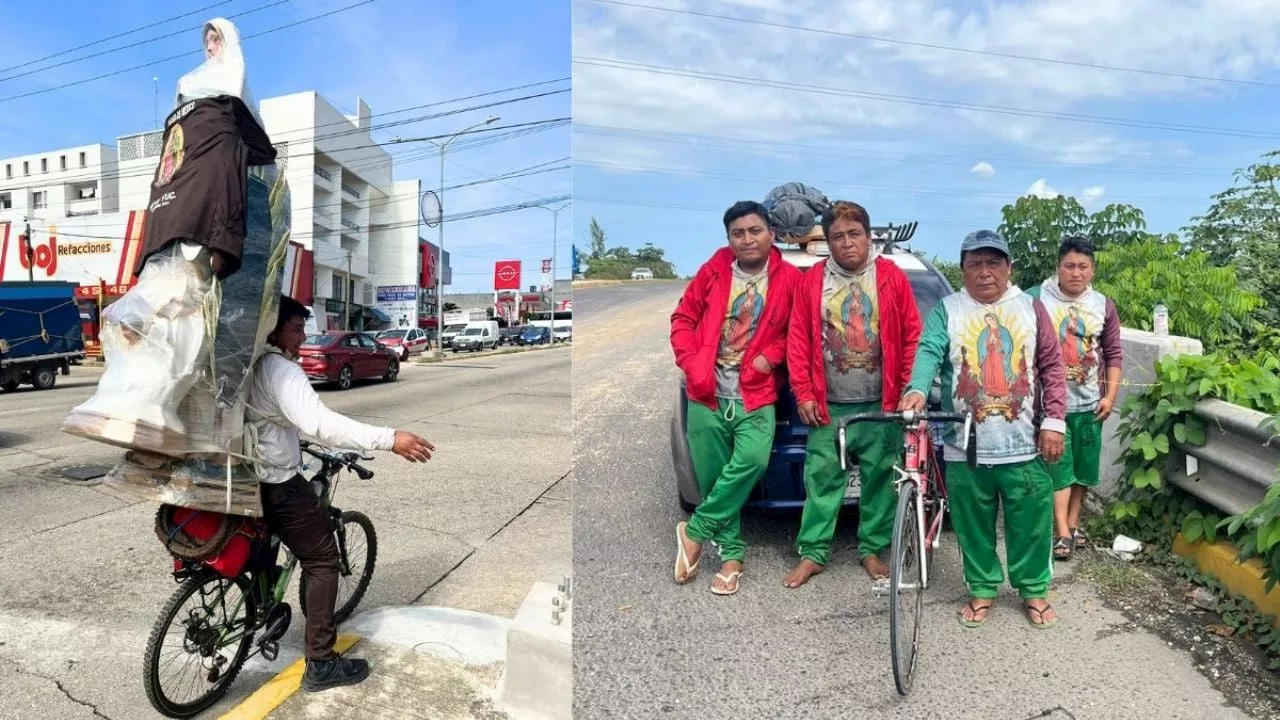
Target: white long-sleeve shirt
pixel 283 404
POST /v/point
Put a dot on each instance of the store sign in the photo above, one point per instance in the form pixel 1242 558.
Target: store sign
pixel 396 293
pixel 86 250
pixel 506 275
pixel 546 276
pixel 93 292
pixel 400 303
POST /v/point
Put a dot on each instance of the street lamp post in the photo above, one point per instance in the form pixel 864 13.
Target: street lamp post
pixel 442 147
pixel 555 231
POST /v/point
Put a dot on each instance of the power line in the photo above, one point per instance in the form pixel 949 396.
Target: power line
pixel 518 130
pixel 937 46
pixel 132 45
pixel 288 26
pixel 912 100
pixel 771 146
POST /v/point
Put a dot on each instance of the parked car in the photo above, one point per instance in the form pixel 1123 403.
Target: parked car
pixel 342 357
pixel 450 332
pixel 409 341
pixel 535 335
pixel 642 274
pixel 782 487
pixel 563 333
pixel 477 335
pixel 510 335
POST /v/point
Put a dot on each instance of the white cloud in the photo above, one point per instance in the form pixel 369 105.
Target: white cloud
pixel 983 170
pixel 875 81
pixel 1041 189
pixel 1090 196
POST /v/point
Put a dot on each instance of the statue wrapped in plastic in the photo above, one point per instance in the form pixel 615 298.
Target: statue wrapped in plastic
pixel 179 347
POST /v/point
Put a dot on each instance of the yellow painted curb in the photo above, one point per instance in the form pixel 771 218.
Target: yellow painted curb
pixel 1244 579
pixel 279 688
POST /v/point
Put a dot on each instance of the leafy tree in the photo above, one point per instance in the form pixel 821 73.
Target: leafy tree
pixel 449 307
pixel 1205 301
pixel 1241 229
pixel 1034 228
pixel 950 270
pixel 597 239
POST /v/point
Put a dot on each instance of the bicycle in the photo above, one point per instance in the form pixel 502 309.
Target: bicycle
pixel 221 648
pixel 917 524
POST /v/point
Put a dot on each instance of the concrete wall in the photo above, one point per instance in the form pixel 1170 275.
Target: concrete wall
pixel 1142 351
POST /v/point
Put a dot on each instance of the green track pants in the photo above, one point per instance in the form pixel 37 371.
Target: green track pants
pixel 730 449
pixel 877 446
pixel 1082 456
pixel 1025 490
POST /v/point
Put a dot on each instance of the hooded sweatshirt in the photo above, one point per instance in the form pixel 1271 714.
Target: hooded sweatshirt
pixel 200 188
pixel 1002 363
pixel 1088 329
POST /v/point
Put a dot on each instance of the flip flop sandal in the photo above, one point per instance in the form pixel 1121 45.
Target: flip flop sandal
pixel 682 558
pixel 1062 548
pixel 1042 625
pixel 731 580
pixel 1081 540
pixel 978 611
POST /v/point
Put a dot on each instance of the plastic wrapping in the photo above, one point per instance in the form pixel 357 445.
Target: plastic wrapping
pixel 222 72
pixel 180 349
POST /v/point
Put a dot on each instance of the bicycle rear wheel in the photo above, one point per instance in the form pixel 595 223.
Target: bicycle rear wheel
pixel 906 591
pixel 205 630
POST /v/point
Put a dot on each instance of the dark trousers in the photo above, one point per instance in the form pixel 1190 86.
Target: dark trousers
pixel 294 514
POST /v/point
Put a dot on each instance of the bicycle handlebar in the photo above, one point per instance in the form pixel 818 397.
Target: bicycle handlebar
pixel 908 417
pixel 348 460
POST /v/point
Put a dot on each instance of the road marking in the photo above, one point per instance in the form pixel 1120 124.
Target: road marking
pixel 278 689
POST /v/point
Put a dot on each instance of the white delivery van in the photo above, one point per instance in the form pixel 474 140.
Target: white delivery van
pixel 477 335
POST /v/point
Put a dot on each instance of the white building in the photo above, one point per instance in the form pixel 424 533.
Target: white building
pixel 355 229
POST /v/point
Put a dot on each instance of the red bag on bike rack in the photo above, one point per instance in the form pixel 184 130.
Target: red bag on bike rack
pixel 221 542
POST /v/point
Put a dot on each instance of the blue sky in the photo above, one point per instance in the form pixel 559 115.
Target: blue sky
pixel 658 157
pixel 393 53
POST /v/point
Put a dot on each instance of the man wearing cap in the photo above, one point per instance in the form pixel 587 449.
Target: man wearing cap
pixel 998 353
pixel 850 345
pixel 729 335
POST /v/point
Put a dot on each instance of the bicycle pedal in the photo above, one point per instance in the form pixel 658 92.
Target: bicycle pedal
pixel 271 650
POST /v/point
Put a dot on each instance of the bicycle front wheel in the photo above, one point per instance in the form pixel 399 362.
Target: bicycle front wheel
pixel 360 541
pixel 198 644
pixel 906 589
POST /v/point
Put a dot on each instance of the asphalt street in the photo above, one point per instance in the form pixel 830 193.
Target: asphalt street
pixel 82 575
pixel 645 647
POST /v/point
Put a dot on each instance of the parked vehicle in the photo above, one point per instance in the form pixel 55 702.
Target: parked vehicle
pixel 535 335
pixel 477 336
pixel 510 335
pixel 341 357
pixel 450 332
pixel 563 333
pixel 409 341
pixel 782 487
pixel 40 333
pixel 642 274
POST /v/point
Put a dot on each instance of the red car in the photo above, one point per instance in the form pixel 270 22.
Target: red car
pixel 409 341
pixel 342 357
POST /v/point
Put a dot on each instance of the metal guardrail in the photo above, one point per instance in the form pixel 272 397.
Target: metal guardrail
pixel 1238 462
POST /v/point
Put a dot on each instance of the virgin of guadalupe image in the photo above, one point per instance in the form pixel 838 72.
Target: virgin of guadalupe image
pixel 1076 343
pixel 857 321
pixel 995 353
pixel 744 310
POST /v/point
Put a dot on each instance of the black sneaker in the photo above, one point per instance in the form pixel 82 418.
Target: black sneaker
pixel 340 671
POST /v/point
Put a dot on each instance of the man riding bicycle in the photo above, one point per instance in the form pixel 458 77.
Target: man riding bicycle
pixel 282 404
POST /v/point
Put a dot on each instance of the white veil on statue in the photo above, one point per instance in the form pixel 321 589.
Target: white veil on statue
pixel 223 71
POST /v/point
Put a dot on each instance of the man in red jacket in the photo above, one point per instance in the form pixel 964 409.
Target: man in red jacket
pixel 729 334
pixel 851 344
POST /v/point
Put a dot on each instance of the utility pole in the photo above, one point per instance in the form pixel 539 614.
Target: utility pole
pixel 555 232
pixel 346 291
pixel 31 253
pixel 442 147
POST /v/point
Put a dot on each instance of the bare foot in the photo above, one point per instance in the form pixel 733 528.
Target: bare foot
pixel 726 581
pixel 876 568
pixel 692 551
pixel 801 573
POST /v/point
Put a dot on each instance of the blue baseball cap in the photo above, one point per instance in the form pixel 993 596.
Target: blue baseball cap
pixel 985 239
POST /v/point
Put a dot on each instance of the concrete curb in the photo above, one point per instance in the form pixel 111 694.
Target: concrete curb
pixel 279 688
pixel 537 681
pixel 1219 560
pixel 451 357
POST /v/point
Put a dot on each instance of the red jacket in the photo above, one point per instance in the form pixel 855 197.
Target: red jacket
pixel 899 336
pixel 698 321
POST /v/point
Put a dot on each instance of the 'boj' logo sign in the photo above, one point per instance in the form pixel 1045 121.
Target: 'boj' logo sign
pixel 45 255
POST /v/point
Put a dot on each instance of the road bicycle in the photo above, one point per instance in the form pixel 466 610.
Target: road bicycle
pixel 917 525
pixel 215 635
